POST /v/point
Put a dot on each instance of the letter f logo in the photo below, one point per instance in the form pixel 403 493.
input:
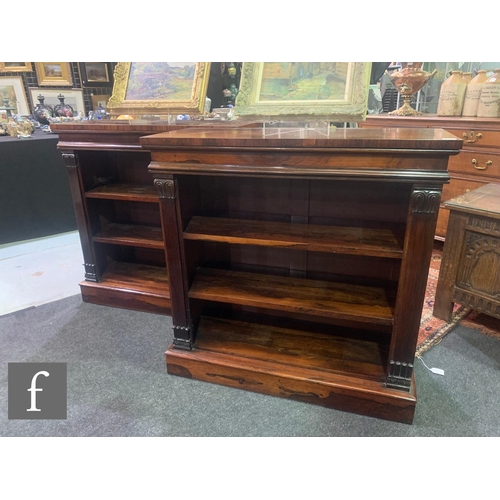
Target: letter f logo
pixel 34 389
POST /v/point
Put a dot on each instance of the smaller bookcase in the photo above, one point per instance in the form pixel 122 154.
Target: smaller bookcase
pixel 118 215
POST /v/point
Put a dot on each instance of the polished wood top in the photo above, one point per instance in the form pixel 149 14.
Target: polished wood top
pixel 484 201
pixel 277 138
pixel 104 126
pixel 133 126
pixel 120 135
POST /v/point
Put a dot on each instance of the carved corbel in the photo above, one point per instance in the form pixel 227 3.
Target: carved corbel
pixel 165 188
pixel 399 375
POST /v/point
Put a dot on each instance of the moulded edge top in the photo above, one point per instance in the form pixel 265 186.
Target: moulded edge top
pixel 286 138
pixel 484 200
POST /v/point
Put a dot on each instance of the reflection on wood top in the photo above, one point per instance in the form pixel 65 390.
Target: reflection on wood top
pixel 392 138
pixel 484 201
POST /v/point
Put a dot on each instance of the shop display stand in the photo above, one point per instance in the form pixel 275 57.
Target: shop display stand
pixel 298 262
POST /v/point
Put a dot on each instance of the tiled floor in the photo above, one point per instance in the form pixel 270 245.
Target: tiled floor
pixel 38 271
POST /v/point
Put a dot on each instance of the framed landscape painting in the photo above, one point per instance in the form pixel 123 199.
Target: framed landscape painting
pixel 145 88
pixel 96 74
pixel 337 91
pixel 11 88
pixel 53 74
pixel 15 67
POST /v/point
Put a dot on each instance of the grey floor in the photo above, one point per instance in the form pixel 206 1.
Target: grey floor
pixel 118 385
pixel 39 271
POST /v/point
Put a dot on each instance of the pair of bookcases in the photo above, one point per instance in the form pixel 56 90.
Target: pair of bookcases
pixel 292 264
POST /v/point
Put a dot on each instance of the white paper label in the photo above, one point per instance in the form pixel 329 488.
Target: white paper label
pixel 437 371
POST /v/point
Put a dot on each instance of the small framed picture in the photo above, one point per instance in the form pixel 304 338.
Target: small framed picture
pixel 96 74
pixel 15 67
pixel 73 97
pixel 53 74
pixel 100 100
pixel 12 91
pixel 3 116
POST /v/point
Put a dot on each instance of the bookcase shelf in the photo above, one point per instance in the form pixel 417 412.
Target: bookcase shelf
pixel 313 237
pixel 312 349
pixel 125 192
pixel 365 304
pixel 130 235
pixel 131 286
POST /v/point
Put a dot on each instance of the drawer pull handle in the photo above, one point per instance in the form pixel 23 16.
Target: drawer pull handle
pixel 472 137
pixel 486 164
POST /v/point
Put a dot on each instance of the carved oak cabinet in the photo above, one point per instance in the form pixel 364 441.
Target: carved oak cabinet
pixel 298 262
pixel 470 269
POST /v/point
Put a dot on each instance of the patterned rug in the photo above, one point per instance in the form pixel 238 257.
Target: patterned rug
pixel 432 330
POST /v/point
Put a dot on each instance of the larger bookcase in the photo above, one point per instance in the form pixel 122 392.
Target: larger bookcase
pixel 298 262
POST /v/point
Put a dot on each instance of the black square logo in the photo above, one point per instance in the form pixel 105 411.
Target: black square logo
pixel 37 391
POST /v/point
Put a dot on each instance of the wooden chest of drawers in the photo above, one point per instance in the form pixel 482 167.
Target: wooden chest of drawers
pixel 477 164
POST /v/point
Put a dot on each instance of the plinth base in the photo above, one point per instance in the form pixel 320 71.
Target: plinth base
pixel 284 363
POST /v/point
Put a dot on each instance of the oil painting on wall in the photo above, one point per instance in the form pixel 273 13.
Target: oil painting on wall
pixel 53 73
pixel 303 81
pixel 11 89
pixel 336 90
pixel 159 87
pixel 96 74
pixel 15 67
pixel 161 80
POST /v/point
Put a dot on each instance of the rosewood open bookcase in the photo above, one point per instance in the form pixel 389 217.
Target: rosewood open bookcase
pixel 297 262
pixel 117 213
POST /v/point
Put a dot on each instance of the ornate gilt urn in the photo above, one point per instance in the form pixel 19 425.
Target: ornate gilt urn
pixel 408 81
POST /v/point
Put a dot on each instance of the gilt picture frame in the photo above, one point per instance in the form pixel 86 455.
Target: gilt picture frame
pixel 96 74
pixel 54 74
pixel 100 100
pixel 15 67
pixel 11 88
pixel 159 88
pixel 337 91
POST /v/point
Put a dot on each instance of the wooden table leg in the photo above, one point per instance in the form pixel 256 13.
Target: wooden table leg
pixel 443 303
